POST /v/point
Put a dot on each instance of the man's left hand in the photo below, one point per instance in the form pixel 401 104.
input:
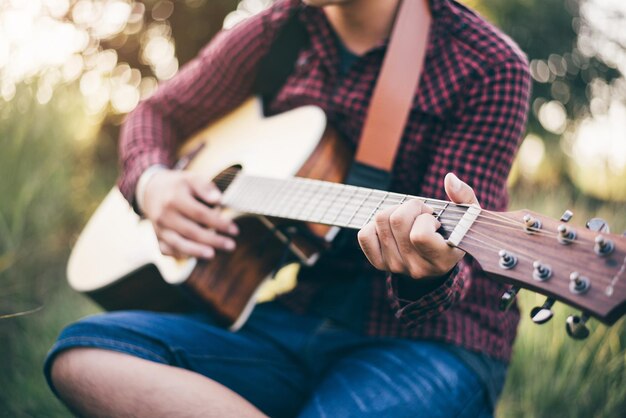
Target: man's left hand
pixel 403 239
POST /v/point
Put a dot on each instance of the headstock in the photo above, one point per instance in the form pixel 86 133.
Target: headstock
pixel 583 267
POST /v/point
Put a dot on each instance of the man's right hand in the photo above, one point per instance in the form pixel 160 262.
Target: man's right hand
pixel 184 210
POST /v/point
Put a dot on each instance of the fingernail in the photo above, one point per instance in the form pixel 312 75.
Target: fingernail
pixel 229 245
pixel 208 253
pixel 213 196
pixel 233 230
pixel 428 209
pixel 455 182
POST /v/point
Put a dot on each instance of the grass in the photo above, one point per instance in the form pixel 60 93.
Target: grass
pixel 50 182
pixel 44 174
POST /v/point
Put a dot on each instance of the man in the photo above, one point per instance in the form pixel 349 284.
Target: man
pixel 424 341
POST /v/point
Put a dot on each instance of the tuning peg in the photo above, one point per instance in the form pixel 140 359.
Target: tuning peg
pixel 567 215
pixel 531 224
pixel 578 284
pixel 542 314
pixel 575 326
pixel 603 246
pixel 541 272
pixel 565 235
pixel 508 297
pixel 598 225
pixel 507 260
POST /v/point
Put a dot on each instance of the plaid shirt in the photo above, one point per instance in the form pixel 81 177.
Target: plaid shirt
pixel 467 117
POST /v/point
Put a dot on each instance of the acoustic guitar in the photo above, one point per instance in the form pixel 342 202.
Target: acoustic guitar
pixel 281 181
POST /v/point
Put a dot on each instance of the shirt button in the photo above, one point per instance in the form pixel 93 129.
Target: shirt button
pixel 302 60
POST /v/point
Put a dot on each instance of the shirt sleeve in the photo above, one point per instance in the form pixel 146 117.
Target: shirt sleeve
pixel 478 146
pixel 213 83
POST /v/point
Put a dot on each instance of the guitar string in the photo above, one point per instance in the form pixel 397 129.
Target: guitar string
pixel 435 201
pixel 452 220
pixel 502 245
pixel 532 231
pixel 516 227
pixel 448 208
pixel 521 254
pixel 502 222
pixel 486 244
pixel 487 215
pixel 228 178
pixel 529 257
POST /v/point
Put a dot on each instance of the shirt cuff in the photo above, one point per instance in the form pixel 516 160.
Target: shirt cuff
pixel 133 168
pixel 436 297
pixel 142 184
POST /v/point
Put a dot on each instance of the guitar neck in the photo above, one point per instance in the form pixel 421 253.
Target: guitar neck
pixel 523 248
pixel 324 202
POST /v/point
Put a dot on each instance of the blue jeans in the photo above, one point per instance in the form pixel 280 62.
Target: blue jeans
pixel 290 365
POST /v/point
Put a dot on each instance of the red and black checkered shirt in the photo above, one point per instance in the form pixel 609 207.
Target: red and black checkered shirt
pixel 467 117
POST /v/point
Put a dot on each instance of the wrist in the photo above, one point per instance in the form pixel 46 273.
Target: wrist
pixel 142 185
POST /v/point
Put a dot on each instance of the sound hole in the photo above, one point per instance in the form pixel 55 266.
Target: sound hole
pixel 226 177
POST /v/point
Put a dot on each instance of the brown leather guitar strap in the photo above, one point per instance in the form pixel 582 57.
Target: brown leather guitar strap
pixel 395 88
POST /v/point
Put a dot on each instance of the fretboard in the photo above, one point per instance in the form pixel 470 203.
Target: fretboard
pixel 324 202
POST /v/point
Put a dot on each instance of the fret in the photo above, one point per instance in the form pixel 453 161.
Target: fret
pixel 317 203
pixel 278 197
pixel 334 191
pixel 300 204
pixel 253 196
pixel 450 220
pixel 232 192
pixel 404 197
pixel 295 192
pixel 268 199
pixel 269 190
pixel 341 200
pixel 309 190
pixel 249 201
pixel 286 199
pixel 300 190
pixel 249 198
pixel 352 204
pixel 314 186
pixel 349 223
pixel 333 203
pixel 392 199
pixel 242 201
pixel 285 203
pixel 322 202
pixel 302 198
pixel 342 207
pixel 376 208
pixel 441 211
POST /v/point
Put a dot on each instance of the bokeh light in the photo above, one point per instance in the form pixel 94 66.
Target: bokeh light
pixel 54 42
pixel 87 43
pixel 531 155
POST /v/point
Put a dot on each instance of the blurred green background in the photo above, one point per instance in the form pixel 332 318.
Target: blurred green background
pixel 71 69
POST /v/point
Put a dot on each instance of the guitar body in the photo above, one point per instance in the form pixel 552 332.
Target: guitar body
pixel 117 262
